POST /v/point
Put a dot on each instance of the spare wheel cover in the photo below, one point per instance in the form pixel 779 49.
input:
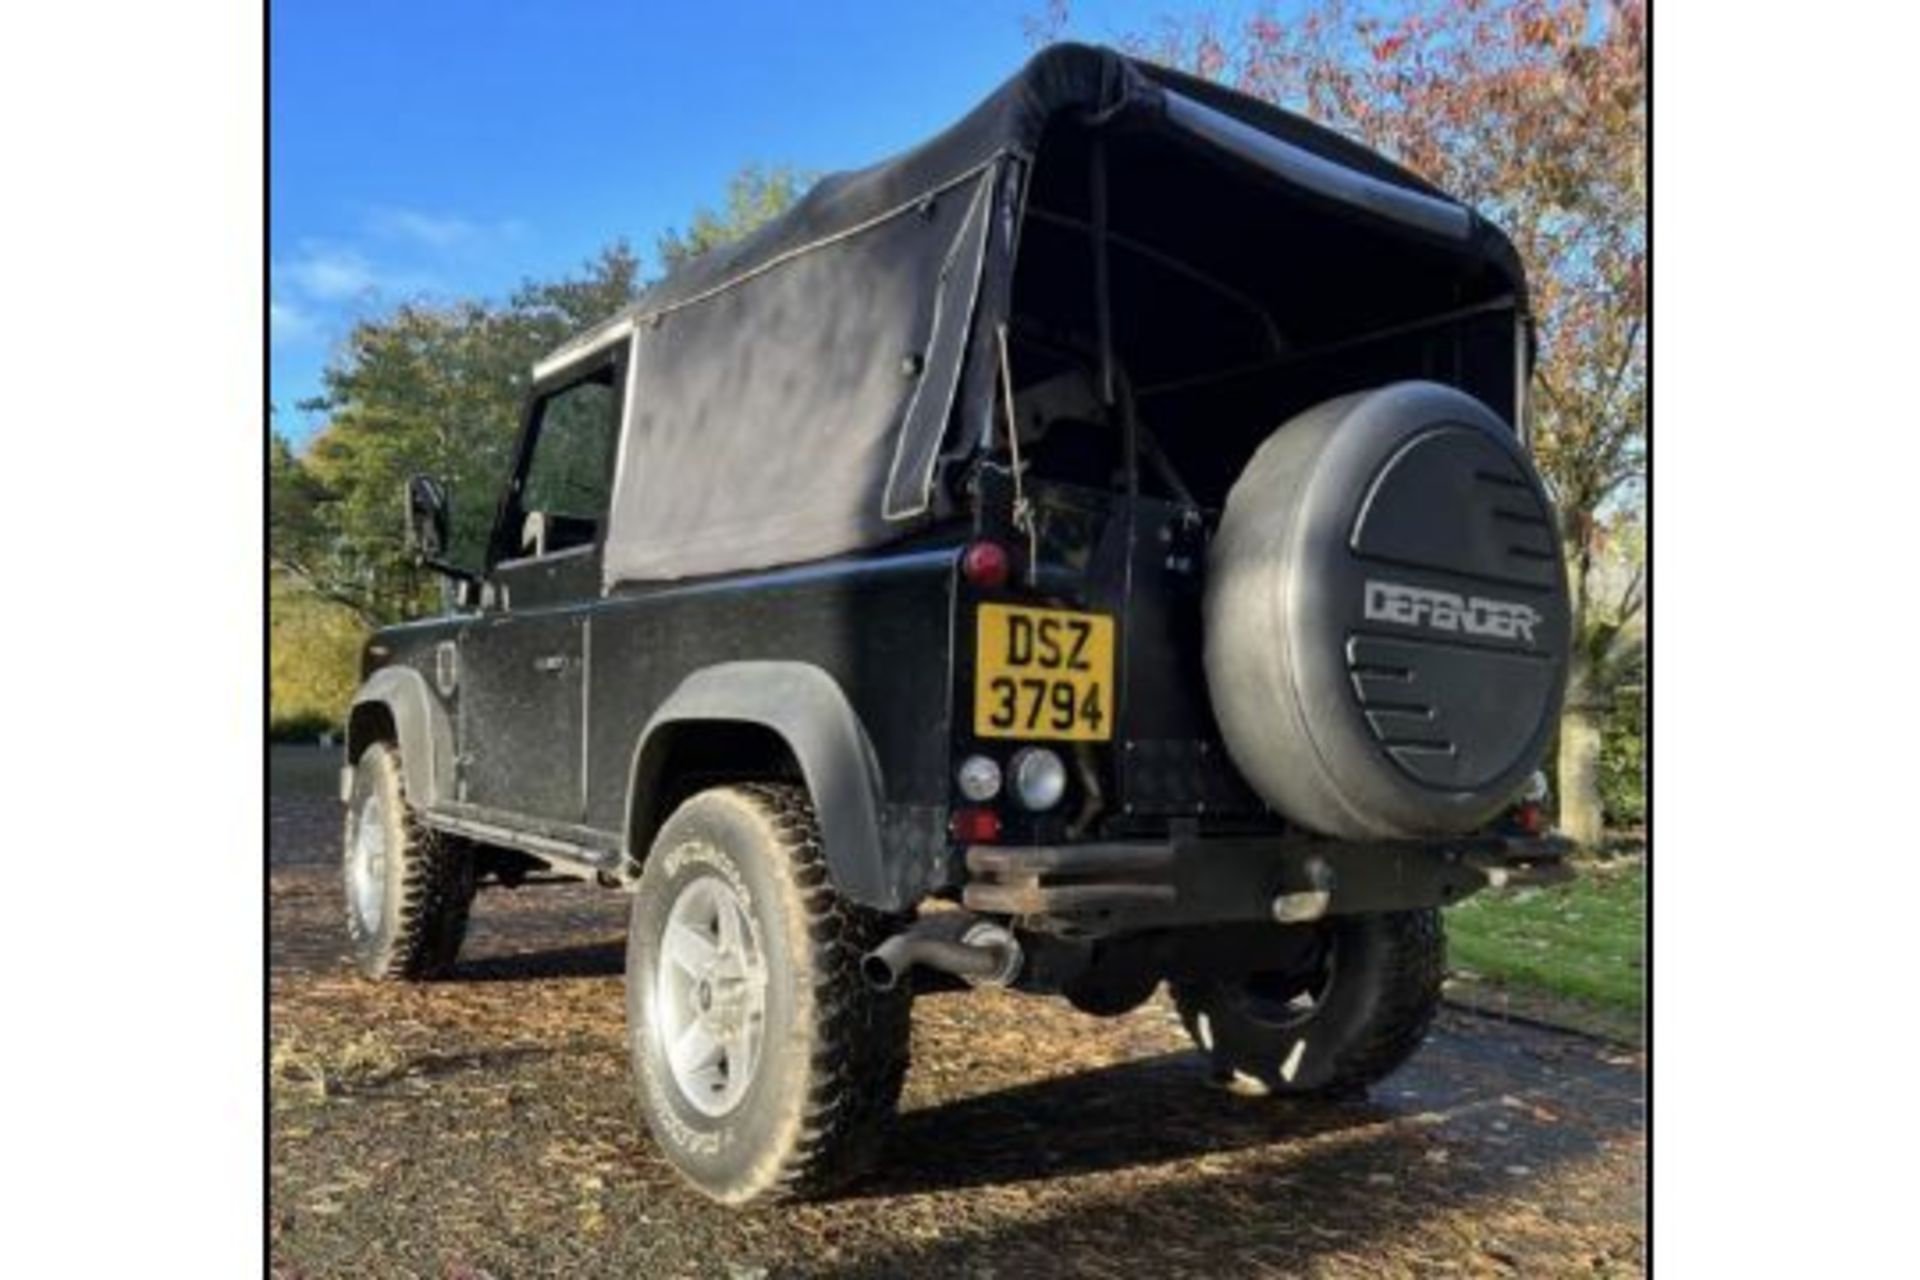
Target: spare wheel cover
pixel 1386 615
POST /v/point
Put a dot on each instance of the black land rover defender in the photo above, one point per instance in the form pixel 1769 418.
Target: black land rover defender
pixel 1098 547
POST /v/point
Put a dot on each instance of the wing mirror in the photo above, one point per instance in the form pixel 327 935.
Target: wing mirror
pixel 426 519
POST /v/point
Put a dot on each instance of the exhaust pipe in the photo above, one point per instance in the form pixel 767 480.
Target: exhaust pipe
pixel 965 946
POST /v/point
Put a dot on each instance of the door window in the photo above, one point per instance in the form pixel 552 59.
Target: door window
pixel 563 493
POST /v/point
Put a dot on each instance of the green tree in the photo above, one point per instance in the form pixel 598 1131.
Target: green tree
pixel 313 659
pixel 434 390
pixel 1623 759
pixel 754 196
pixel 438 390
pixel 1597 769
pixel 1535 112
pixel 431 390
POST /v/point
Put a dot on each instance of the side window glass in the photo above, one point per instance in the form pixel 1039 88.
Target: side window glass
pixel 564 494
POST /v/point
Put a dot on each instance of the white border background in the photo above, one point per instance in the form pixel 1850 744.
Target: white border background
pixel 132 321
pixel 1787 549
pixel 1786 568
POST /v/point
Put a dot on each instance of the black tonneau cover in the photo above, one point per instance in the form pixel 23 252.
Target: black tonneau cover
pixel 791 393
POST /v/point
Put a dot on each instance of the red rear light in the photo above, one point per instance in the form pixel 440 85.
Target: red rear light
pixel 975 826
pixel 986 564
pixel 1529 819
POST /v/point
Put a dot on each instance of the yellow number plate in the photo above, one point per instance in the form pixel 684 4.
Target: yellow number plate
pixel 1043 673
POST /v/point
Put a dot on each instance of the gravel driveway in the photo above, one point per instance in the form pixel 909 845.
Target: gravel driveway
pixel 483 1126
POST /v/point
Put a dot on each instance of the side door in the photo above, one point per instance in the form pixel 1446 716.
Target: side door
pixel 523 661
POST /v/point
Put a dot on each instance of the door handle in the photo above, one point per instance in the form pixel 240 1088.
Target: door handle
pixel 553 664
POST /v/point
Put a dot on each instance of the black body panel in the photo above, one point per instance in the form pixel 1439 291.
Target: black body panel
pixel 1141 559
pixel 519 729
pixel 550 701
pixel 880 626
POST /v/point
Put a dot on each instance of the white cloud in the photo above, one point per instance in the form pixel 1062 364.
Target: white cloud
pixel 426 228
pixel 331 274
pixel 439 231
pixel 287 323
pixel 325 274
pixel 399 253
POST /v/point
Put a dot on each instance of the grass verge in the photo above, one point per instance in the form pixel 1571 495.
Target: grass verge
pixel 1573 953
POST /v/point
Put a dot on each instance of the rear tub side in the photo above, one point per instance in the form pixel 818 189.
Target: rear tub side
pixel 879 628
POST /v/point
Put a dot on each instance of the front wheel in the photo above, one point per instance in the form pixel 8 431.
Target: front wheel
pixel 1347 1016
pixel 766 1066
pixel 408 888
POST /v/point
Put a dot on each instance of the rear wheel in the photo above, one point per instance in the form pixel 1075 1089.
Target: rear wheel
pixel 1349 1015
pixel 408 888
pixel 767 1068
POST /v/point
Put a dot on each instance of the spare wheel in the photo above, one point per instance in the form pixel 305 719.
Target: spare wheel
pixel 1386 615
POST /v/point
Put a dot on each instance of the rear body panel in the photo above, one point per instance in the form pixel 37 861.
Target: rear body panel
pixel 1141 562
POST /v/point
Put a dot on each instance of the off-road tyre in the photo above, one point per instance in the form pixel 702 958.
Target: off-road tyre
pixel 834 1051
pixel 427 880
pixel 1372 1012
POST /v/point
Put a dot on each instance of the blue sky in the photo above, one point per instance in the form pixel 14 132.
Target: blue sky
pixel 432 149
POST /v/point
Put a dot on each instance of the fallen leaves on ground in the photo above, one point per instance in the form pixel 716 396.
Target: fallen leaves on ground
pixel 484 1127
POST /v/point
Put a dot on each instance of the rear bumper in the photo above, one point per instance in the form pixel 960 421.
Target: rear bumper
pixel 1111 888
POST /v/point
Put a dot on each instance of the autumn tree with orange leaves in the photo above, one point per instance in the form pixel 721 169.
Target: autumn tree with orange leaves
pixel 1534 112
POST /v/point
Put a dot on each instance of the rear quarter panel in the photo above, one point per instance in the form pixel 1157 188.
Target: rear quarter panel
pixel 881 626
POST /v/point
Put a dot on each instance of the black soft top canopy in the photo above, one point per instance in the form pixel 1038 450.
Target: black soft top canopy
pixel 791 395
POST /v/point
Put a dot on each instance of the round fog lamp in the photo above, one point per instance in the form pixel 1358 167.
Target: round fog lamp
pixel 1039 778
pixel 979 778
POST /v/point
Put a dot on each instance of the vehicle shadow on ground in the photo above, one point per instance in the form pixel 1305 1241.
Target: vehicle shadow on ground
pixel 1293 1181
pixel 1281 1213
pixel 592 960
pixel 1132 1114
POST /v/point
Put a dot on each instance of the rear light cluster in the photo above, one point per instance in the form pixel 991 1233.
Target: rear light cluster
pixel 979 778
pixel 974 826
pixel 1039 778
pixel 1036 780
pixel 1530 807
pixel 986 565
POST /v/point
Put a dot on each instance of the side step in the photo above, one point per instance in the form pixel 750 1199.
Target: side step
pixel 580 852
